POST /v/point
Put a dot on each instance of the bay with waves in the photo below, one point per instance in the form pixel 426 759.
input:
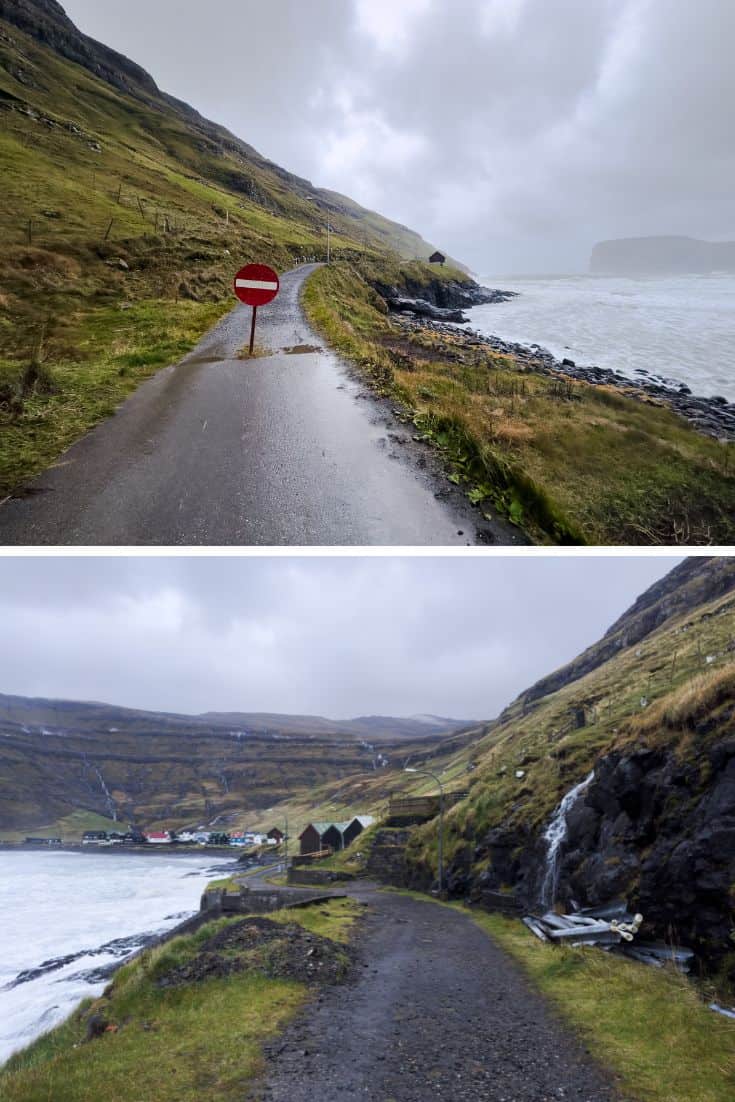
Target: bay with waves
pixel 70 916
pixel 678 328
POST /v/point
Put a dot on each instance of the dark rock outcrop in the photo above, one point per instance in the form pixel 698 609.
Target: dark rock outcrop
pixel 444 294
pixel 423 309
pixel 651 829
pixel 661 833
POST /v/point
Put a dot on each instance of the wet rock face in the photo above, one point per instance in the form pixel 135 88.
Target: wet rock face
pixel 445 295
pixel 514 868
pixel 660 833
pixel 652 830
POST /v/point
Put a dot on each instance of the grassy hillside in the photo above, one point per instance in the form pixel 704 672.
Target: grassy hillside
pixel 663 677
pixel 123 218
pixel 63 764
pixel 568 462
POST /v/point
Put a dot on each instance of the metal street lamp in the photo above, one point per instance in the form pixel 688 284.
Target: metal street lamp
pixel 428 773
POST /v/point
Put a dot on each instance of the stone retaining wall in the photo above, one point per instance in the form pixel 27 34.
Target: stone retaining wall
pixel 317 876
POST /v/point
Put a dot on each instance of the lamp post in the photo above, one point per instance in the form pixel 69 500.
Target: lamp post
pixel 428 773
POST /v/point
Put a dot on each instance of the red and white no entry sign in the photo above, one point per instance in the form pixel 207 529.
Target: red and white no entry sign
pixel 256 285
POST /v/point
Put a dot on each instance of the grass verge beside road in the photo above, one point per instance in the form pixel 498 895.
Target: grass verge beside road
pixel 648 1026
pixel 197 1041
pixel 81 371
pixel 568 462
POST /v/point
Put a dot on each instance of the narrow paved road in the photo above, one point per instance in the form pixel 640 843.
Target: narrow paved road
pixel 287 449
pixel 437 1011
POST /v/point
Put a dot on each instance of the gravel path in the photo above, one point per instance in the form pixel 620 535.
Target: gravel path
pixel 437 1011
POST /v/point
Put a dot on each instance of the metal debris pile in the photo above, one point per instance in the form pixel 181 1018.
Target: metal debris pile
pixel 609 928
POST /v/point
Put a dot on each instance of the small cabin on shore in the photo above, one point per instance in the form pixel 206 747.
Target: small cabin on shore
pixel 437 258
pixel 318 837
pixel 276 835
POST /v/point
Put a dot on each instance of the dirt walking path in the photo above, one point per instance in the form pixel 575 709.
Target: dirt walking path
pixel 436 1011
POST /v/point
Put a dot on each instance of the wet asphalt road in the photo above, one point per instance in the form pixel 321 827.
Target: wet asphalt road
pixel 437 1011
pixel 283 450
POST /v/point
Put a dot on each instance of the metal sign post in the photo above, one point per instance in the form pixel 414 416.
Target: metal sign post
pixel 256 285
pixel 252 330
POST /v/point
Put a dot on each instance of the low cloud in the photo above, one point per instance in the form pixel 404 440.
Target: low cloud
pixel 337 637
pixel 513 133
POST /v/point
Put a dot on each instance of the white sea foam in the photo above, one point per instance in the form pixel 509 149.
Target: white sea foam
pixel 58 904
pixel 682 328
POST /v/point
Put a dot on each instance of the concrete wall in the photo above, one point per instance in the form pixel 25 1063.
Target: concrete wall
pixel 254 901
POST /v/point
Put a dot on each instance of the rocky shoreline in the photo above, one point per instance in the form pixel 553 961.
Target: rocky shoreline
pixel 714 417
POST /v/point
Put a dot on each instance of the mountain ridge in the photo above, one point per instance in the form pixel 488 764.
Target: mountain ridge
pixel 20 709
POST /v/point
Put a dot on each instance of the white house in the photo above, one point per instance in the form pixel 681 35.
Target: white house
pixel 158 838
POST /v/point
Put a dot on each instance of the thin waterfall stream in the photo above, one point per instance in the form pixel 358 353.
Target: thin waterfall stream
pixel 554 836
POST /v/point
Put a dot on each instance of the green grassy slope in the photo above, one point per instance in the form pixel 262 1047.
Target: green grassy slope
pixel 168 770
pixel 116 196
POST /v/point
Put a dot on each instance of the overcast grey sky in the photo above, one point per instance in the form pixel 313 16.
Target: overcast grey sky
pixel 514 133
pixel 336 636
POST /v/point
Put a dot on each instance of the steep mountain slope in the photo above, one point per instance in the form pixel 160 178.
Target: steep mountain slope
pixel 61 757
pixel 651 710
pixel 124 217
pixel 88 138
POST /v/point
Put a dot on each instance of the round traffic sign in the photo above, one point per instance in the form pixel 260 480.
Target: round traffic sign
pixel 256 285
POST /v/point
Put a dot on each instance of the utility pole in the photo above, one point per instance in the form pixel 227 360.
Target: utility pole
pixel 329 242
pixel 428 773
pixel 285 844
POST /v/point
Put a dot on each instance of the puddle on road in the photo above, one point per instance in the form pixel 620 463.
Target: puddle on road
pixel 258 353
pixel 302 350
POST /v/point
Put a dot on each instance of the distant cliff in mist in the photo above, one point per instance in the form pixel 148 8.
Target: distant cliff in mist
pixel 662 256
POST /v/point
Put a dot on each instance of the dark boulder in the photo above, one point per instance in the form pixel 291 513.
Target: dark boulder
pixel 423 309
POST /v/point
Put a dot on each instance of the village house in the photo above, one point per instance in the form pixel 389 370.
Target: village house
pixel 437 258
pixel 158 837
pixel 246 838
pixel 94 838
pixel 355 827
pixel 334 836
pixel 275 835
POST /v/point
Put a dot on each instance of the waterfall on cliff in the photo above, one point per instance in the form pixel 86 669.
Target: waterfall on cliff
pixel 554 835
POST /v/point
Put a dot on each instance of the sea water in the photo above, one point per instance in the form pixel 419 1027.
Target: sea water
pixel 58 905
pixel 680 328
